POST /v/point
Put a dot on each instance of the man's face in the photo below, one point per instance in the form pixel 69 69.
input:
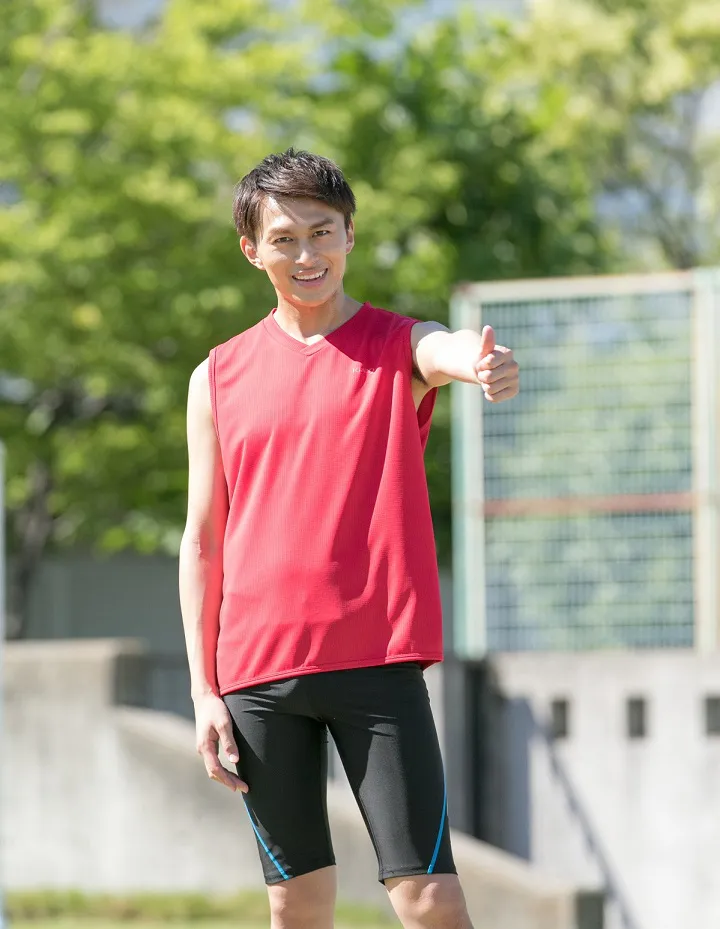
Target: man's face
pixel 303 246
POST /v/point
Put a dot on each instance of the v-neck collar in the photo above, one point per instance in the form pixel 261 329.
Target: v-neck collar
pixel 302 348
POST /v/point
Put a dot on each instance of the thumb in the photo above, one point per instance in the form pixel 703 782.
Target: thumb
pixel 228 742
pixel 488 341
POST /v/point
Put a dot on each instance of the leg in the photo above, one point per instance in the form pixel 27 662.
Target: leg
pixel 305 902
pixel 432 901
pixel 386 737
pixel 283 759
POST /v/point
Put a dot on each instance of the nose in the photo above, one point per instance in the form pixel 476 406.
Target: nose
pixel 307 254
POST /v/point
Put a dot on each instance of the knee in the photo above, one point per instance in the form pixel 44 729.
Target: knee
pixel 430 903
pixel 303 902
pixel 299 913
pixel 289 913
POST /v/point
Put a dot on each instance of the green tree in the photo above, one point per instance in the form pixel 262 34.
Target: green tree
pixel 632 89
pixel 456 183
pixel 119 268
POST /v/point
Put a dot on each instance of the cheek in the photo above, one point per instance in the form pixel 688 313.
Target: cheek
pixel 337 254
pixel 274 263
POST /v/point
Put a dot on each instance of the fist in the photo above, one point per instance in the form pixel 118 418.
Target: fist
pixel 496 370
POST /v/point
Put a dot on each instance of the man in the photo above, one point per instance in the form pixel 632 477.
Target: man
pixel 308 577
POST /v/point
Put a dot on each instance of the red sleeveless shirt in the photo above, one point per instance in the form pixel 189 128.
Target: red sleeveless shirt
pixel 329 556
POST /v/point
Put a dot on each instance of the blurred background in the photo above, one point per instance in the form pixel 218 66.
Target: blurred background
pixel 551 167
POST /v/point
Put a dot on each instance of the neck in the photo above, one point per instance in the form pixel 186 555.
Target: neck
pixel 307 323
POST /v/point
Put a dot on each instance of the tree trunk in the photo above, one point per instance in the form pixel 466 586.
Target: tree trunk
pixel 32 529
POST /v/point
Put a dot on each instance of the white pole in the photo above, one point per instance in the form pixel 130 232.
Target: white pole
pixel 469 599
pixel 706 458
pixel 2 645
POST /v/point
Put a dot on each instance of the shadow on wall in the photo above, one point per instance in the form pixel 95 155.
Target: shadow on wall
pixel 490 741
pixel 520 728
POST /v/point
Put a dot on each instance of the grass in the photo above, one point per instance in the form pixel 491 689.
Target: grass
pixel 91 923
pixel 85 923
pixel 248 910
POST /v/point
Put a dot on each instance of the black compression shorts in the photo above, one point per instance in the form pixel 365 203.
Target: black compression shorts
pixel 382 725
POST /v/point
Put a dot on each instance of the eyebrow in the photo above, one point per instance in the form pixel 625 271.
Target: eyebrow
pixel 285 230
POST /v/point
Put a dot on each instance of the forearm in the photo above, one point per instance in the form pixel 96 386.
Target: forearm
pixel 201 575
pixel 457 354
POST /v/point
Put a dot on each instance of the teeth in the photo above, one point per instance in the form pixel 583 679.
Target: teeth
pixel 313 278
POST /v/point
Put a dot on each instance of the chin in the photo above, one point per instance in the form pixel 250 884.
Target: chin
pixel 304 300
pixel 314 299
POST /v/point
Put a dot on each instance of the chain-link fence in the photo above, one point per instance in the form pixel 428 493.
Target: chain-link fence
pixel 586 509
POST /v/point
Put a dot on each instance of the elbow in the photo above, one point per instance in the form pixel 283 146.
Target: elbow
pixel 201 540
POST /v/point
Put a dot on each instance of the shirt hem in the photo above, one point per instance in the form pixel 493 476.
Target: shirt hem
pixel 426 659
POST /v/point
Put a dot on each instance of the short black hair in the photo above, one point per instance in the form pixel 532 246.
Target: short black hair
pixel 290 175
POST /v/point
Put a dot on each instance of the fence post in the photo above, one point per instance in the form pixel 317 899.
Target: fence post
pixel 706 458
pixel 469 612
pixel 2 654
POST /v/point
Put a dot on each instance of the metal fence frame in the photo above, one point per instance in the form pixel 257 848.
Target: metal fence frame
pixel 469 505
pixel 2 652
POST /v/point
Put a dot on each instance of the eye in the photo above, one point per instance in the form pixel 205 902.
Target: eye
pixel 281 240
pixel 322 232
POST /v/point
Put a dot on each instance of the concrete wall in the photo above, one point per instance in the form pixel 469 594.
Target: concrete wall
pixel 99 796
pixel 641 816
pixel 78 595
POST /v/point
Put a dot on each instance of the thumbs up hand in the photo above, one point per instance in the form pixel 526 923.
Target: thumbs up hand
pixel 495 368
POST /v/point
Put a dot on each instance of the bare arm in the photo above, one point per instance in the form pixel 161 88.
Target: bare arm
pixel 441 356
pixel 201 575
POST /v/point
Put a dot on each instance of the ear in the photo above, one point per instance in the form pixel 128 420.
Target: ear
pixel 249 250
pixel 349 245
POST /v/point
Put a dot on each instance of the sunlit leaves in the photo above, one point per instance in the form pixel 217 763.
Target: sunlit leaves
pixel 119 267
pixel 629 87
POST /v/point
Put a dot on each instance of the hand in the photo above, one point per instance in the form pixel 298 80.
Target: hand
pixel 496 369
pixel 214 725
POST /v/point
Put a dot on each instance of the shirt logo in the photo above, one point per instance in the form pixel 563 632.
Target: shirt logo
pixel 361 369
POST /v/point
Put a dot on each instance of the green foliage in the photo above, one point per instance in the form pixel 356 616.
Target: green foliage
pixel 119 267
pixel 450 181
pixel 93 922
pixel 455 184
pixel 631 88
pixel 243 909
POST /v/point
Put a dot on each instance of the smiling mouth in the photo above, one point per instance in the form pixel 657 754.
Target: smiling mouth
pixel 317 276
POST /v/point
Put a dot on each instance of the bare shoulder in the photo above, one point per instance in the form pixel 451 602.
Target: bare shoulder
pixel 200 378
pixel 199 391
pixel 201 374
